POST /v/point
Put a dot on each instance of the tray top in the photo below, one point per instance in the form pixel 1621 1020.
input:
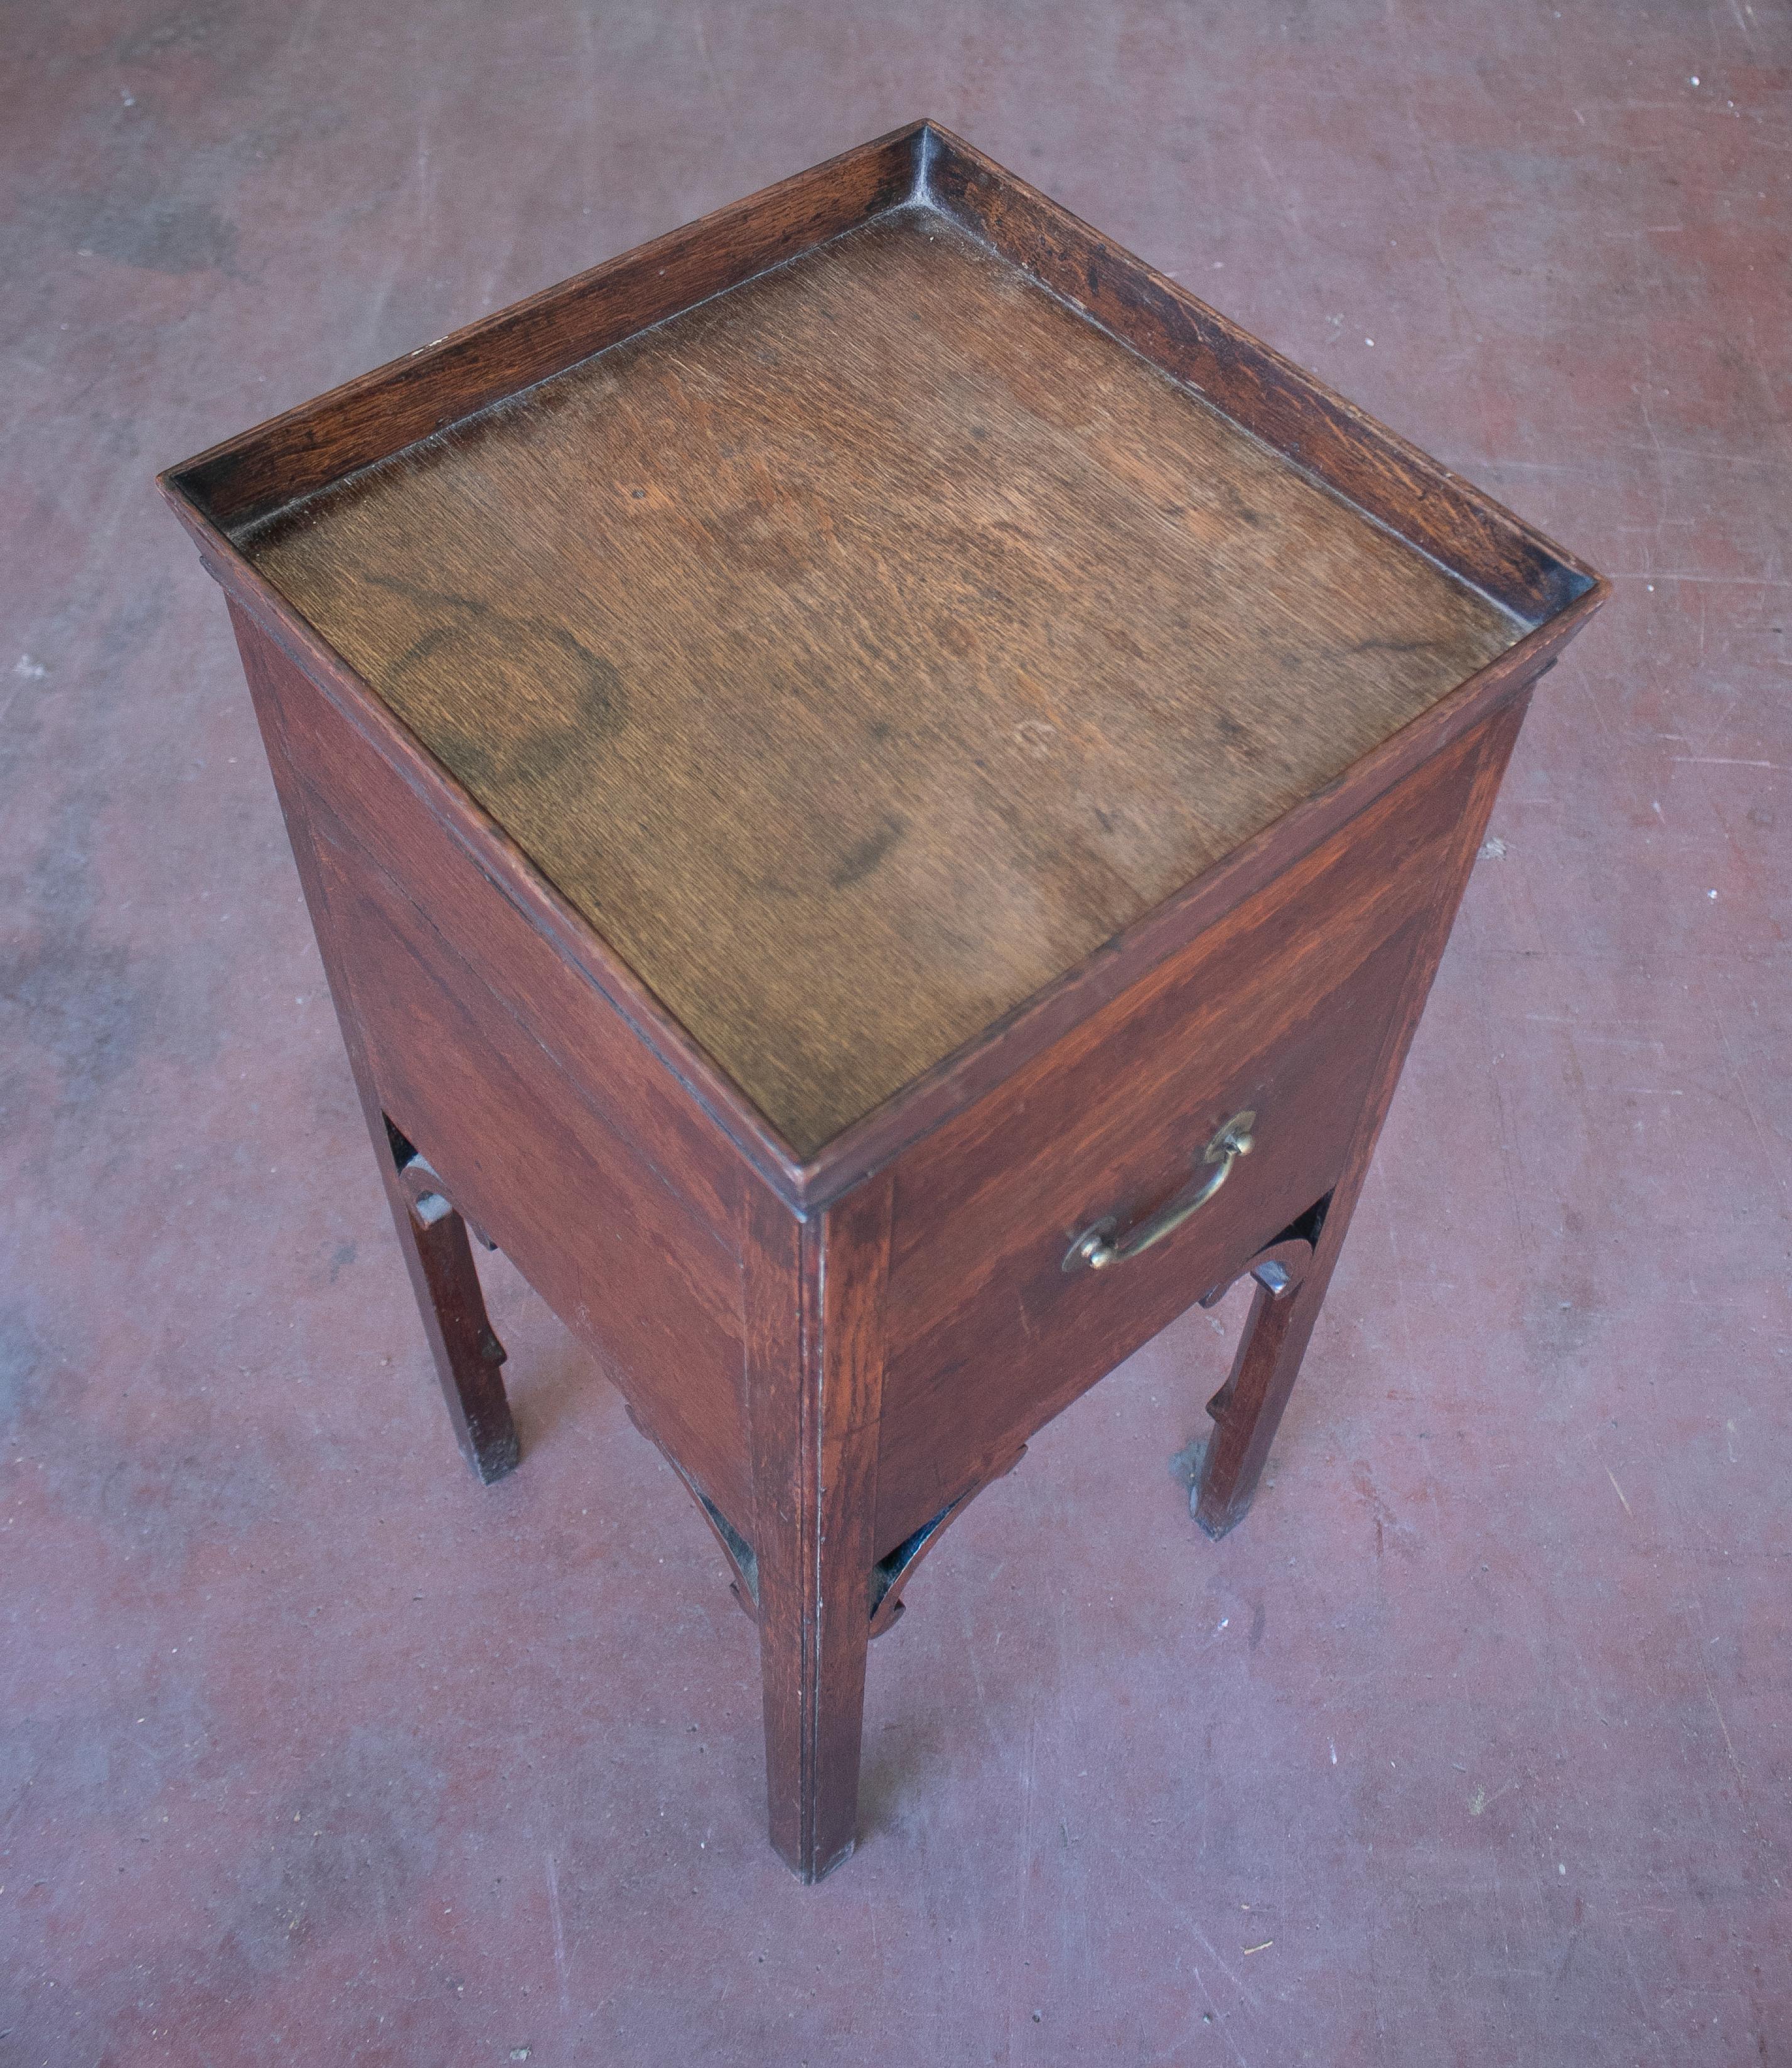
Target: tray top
pixel 861 649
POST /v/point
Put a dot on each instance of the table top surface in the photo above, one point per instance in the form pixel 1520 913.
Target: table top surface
pixel 861 649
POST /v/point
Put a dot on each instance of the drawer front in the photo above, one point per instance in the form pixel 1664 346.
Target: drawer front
pixel 1284 1009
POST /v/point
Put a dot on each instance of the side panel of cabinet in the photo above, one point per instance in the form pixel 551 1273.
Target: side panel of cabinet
pixel 550 1123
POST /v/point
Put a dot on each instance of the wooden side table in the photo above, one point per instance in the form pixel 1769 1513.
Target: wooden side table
pixel 880 792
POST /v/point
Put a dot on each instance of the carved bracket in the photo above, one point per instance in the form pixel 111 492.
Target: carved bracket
pixel 892 1573
pixel 889 1576
pixel 421 1184
pixel 1280 1265
pixel 741 1561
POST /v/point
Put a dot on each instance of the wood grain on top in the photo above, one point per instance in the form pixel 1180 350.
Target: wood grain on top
pixel 860 649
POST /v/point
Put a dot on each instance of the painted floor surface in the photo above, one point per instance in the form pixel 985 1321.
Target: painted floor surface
pixel 1474 1743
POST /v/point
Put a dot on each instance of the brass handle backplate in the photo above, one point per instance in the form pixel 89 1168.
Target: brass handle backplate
pixel 1095 1248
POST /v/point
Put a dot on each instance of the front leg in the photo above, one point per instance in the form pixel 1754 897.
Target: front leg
pixel 815 1297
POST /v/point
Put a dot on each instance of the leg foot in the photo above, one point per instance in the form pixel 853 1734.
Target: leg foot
pixel 811 1753
pixel 1216 1530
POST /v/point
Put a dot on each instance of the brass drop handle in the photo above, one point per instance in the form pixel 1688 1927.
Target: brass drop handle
pixel 1094 1249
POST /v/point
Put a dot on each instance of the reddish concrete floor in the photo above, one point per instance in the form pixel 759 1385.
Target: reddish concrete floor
pixel 1472 1745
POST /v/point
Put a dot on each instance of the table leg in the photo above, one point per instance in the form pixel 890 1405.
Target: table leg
pixel 815 1326
pixel 1248 1409
pixel 467 1353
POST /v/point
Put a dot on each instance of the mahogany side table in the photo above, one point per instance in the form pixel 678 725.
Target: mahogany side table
pixel 880 792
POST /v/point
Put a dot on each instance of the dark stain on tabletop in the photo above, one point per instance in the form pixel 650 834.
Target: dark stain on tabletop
pixel 859 860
